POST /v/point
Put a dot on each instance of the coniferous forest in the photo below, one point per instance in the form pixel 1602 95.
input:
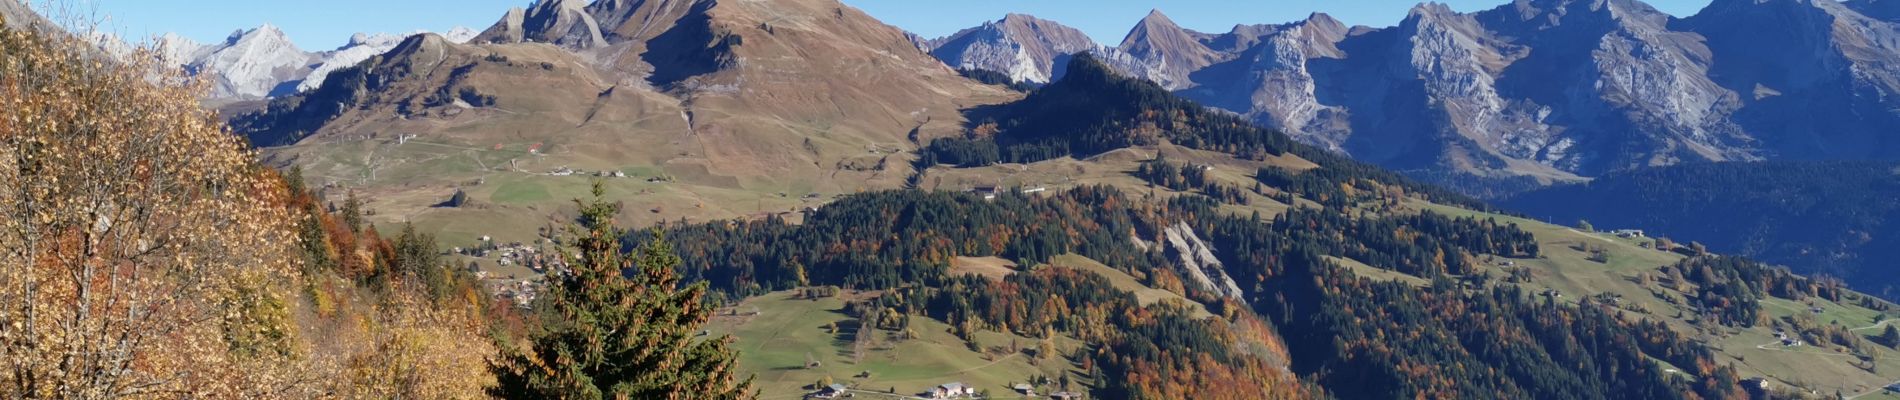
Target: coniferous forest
pixel 1459 338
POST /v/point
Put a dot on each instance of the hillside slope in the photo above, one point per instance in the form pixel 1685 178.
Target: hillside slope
pixel 1832 218
pixel 708 109
pixel 1490 305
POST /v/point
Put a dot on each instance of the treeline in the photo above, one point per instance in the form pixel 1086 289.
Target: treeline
pixel 1185 177
pixel 1731 288
pixel 407 310
pixel 1819 218
pixel 1367 339
pixel 1483 187
pixel 1354 337
pixel 989 77
pixel 1157 351
pixel 904 241
pixel 1093 110
pixel 1426 245
pixel 892 239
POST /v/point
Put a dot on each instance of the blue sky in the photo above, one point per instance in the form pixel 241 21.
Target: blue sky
pixel 326 24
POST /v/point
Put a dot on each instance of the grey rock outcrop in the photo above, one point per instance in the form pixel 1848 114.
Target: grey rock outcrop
pixel 1549 89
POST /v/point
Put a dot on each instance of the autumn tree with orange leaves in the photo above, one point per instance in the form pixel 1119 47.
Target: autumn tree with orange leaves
pixel 145 254
pixel 137 261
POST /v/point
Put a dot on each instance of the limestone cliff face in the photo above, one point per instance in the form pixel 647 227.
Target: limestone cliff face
pixel 1553 89
pixel 566 23
pixel 1026 48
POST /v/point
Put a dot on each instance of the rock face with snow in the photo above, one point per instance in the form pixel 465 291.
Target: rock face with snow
pixel 263 62
pixel 363 46
pixel 1549 89
pixel 253 64
pixel 1026 48
pixel 1269 79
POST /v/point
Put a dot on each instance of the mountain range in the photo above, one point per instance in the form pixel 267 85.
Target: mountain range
pixel 1554 90
pixel 805 160
pixel 262 62
pixel 725 99
pixel 1495 101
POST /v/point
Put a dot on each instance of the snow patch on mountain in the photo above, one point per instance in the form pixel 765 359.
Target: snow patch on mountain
pixel 362 46
pixel 263 62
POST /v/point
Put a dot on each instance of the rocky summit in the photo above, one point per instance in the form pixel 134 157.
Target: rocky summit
pixel 1549 90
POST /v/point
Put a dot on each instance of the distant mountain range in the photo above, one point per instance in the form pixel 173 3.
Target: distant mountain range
pixel 1553 90
pixel 1532 92
pixel 262 62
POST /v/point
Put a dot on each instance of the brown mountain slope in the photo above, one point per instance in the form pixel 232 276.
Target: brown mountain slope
pixel 1169 51
pixel 718 109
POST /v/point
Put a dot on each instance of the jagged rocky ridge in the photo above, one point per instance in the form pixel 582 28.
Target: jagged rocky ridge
pixel 1549 90
pixel 262 62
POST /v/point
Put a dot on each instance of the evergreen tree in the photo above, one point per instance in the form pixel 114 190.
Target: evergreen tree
pixel 609 335
pixel 1891 337
pixel 353 212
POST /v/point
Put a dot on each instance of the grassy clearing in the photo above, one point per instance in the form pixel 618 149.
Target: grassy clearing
pixel 1124 281
pixel 520 192
pixel 994 268
pixel 776 343
pixel 1368 271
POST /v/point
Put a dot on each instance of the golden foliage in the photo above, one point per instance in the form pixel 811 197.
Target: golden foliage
pixel 147 254
pixel 134 243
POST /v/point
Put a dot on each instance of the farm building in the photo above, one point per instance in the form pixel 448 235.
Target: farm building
pixel 829 392
pixel 951 390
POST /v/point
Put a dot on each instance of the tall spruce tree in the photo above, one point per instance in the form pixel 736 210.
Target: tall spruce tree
pixel 606 334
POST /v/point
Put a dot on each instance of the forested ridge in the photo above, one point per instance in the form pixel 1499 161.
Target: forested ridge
pixel 1351 337
pixel 1093 110
pixel 1819 218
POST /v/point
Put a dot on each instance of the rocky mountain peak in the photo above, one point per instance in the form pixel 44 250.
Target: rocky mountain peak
pixel 1320 19
pixel 254 64
pixel 460 34
pixel 1170 51
pixel 1024 47
pixel 176 50
pixel 1155 29
pixel 509 29
pixel 265 34
pixel 1544 14
pixel 638 20
pixel 362 46
pixel 1430 9
pixel 1019 18
pixel 562 22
